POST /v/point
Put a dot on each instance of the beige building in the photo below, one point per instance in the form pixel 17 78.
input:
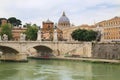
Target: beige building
pixel 110 23
pixel 110 29
pixel 68 31
pixel 87 27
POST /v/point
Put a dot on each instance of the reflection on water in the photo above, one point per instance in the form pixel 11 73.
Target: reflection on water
pixel 58 70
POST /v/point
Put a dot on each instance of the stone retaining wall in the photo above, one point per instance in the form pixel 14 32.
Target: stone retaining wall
pixel 106 50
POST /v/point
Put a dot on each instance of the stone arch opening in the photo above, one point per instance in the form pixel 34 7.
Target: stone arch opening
pixel 7 53
pixel 43 51
pixel 5 49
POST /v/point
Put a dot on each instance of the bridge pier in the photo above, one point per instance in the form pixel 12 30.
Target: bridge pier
pixel 56 52
pixel 16 57
pixel 21 57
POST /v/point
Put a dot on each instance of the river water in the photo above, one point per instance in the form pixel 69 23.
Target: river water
pixel 58 70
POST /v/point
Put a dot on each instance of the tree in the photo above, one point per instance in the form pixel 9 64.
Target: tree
pixel 31 32
pixel 6 29
pixel 84 35
pixel 26 25
pixel 1 20
pixel 18 22
pixel 14 21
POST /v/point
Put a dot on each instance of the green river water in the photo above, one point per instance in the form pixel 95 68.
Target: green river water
pixel 58 70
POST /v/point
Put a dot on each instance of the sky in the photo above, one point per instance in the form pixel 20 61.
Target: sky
pixel 78 11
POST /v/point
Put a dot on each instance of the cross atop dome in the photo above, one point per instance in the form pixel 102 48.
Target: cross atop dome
pixel 63 14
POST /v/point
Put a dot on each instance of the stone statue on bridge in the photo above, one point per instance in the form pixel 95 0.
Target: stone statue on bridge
pixel 5 37
pixel 22 37
pixel 55 33
pixel 0 38
pixel 100 33
pixel 39 34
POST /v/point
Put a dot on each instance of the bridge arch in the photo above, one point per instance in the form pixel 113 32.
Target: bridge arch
pixel 42 51
pixel 6 49
pixel 8 53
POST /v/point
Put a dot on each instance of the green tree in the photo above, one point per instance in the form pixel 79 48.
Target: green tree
pixel 14 21
pixel 31 32
pixel 1 20
pixel 84 35
pixel 18 22
pixel 6 29
pixel 26 25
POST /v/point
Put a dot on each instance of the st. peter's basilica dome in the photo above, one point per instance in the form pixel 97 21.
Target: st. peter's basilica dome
pixel 63 22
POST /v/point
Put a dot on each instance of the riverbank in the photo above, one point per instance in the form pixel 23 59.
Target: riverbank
pixel 80 59
pixel 93 60
pixel 13 60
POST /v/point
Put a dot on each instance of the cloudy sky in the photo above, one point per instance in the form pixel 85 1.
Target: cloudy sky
pixel 78 11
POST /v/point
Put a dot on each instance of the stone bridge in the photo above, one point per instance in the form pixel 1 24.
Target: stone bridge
pixel 19 50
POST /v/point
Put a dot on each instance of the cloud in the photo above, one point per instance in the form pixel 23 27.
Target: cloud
pixel 78 11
